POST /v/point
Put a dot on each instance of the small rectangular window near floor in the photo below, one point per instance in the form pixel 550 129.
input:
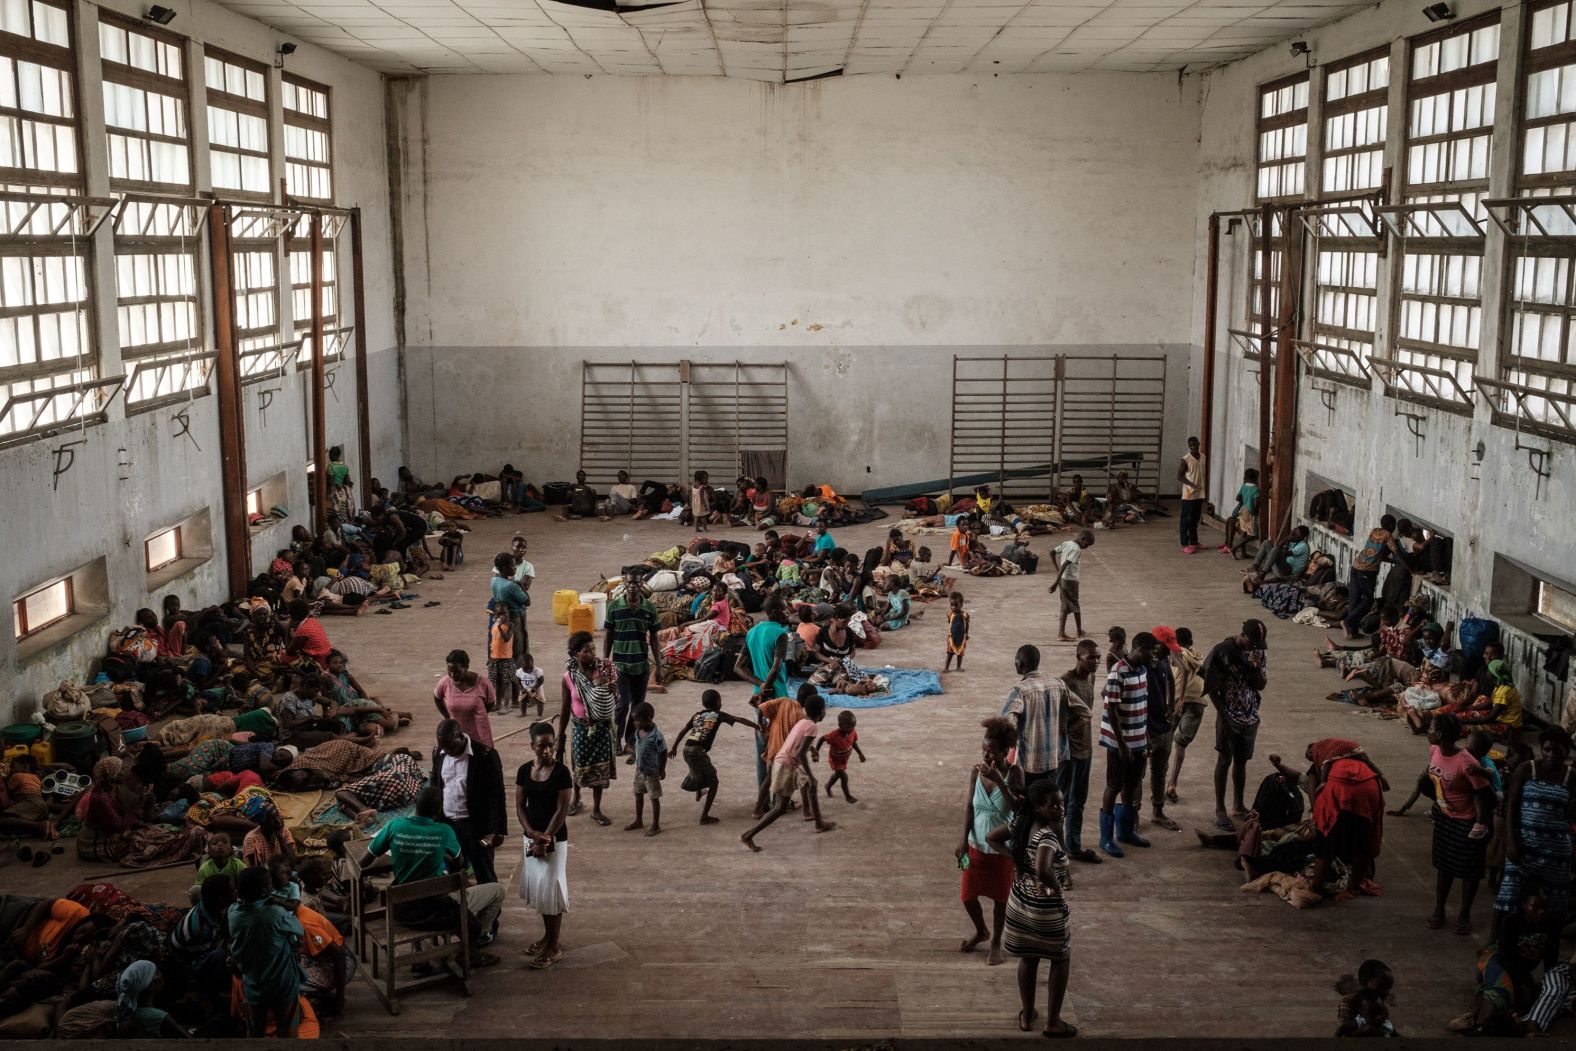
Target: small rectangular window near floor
pixel 1557 605
pixel 254 502
pixel 39 609
pixel 162 548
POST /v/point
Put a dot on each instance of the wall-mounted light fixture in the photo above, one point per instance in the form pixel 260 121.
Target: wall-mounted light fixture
pixel 160 15
pixel 1300 47
pixel 1438 13
pixel 286 48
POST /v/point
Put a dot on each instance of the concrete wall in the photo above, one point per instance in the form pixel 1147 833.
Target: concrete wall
pixel 862 229
pixel 1495 506
pixel 101 508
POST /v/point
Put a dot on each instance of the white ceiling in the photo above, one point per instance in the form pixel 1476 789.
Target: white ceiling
pixel 779 40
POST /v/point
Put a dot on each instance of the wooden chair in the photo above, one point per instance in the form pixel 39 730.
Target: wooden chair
pixel 388 949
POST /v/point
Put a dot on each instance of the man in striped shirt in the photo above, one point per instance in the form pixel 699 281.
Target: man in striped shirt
pixel 1124 734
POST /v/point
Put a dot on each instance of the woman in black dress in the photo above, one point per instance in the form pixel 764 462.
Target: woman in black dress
pixel 541 801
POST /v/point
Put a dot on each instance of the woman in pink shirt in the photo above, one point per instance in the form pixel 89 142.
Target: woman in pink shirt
pixel 466 697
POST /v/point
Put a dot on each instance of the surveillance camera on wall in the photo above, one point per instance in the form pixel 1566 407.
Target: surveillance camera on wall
pixel 1438 13
pixel 160 15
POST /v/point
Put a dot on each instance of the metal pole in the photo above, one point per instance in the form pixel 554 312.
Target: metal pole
pixel 359 319
pixel 232 434
pixel 1266 265
pixel 952 443
pixel 319 409
pixel 1285 434
pixel 1001 441
pixel 1206 425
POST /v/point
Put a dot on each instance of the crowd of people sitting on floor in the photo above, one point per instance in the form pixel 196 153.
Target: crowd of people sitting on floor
pixel 202 732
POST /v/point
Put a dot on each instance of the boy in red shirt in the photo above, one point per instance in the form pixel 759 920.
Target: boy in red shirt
pixel 843 742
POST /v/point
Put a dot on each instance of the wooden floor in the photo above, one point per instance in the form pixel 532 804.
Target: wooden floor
pixel 854 934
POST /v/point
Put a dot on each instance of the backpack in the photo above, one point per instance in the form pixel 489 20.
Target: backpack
pixel 1277 802
pixel 717 664
pixel 1473 634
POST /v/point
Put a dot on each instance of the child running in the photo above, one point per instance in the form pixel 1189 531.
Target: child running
pixel 842 742
pixel 957 630
pixel 791 774
pixel 696 739
pixel 651 766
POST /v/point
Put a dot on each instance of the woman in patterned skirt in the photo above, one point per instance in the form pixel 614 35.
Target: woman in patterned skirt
pixel 587 721
pixel 1037 923
pixel 1538 839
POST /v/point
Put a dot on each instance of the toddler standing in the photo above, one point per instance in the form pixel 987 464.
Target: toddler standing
pixel 528 681
pixel 957 631
pixel 651 766
pixel 841 742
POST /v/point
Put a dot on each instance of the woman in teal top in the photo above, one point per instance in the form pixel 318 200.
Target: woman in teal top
pixel 1241 527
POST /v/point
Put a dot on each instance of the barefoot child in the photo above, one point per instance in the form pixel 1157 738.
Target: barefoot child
pixel 651 766
pixel 701 501
pixel 1068 557
pixel 791 774
pixel 957 631
pixel 500 656
pixel 842 742
pixel 528 685
pixel 696 739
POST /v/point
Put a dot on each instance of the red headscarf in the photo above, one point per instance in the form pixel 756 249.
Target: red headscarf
pixel 1349 786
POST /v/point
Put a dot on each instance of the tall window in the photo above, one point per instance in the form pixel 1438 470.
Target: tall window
pixel 1282 130
pixel 156 254
pixel 145 100
pixel 257 306
pixel 45 339
pixel 309 147
pixel 1540 345
pixel 237 125
pixel 1449 134
pixel 301 290
pixel 38 115
pixel 1346 275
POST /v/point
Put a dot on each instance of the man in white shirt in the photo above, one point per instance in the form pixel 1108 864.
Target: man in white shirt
pixel 470 776
pixel 1068 557
pixel 620 498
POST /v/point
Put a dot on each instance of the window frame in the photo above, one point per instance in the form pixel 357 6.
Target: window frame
pixel 113 72
pixel 1373 98
pixel 1421 351
pixel 296 118
pixel 21 629
pixel 180 551
pixel 218 98
pixel 1531 249
pixel 1541 585
pixel 254 501
pixel 38 52
pixel 194 353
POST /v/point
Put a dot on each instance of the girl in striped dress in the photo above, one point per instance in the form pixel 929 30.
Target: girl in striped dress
pixel 1037 920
